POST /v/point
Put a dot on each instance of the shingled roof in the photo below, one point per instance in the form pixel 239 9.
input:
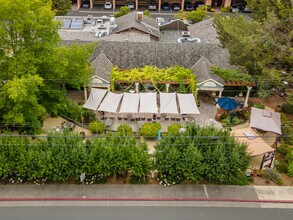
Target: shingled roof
pixel 102 66
pixel 128 55
pixel 128 22
pixel 202 70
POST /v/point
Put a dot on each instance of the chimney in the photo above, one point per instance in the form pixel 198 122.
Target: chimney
pixel 139 16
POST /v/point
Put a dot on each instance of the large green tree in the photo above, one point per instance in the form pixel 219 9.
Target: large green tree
pixel 30 47
pixel 61 6
pixel 262 45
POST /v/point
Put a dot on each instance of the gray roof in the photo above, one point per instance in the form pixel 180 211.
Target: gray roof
pixel 202 70
pixel 102 66
pixel 205 31
pixel 128 55
pixel 128 21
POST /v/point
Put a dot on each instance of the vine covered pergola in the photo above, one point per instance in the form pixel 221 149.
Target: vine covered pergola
pixel 181 78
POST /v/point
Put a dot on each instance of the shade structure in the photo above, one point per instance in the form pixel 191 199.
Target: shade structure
pixel 168 103
pixel 111 102
pixel 95 98
pixel 148 103
pixel 187 104
pixel 256 145
pixel 129 103
pixel 265 120
pixel 227 103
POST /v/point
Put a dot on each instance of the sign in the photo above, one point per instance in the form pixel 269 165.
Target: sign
pixel 268 159
pixel 82 177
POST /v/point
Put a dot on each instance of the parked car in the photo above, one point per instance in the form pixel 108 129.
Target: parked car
pixel 176 7
pixel 234 9
pixel 108 5
pixel 153 6
pixel 160 21
pixel 199 4
pixel 165 6
pixel 131 5
pixel 188 6
pixel 85 4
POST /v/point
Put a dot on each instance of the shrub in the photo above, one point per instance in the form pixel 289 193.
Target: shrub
pixel 236 121
pixel 193 16
pixel 173 129
pixel 287 129
pixel 273 175
pixel 122 11
pixel 97 127
pixel 88 116
pixel 147 13
pixel 287 108
pixel 258 105
pixel 150 130
pixel 283 149
pixel 124 130
pixel 225 9
pixel 290 169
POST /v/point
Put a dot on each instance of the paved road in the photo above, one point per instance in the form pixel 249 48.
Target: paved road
pixel 141 213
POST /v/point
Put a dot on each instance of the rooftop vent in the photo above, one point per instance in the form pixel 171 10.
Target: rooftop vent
pixel 185 33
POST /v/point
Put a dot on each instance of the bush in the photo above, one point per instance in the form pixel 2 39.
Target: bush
pixel 97 127
pixel 225 9
pixel 290 169
pixel 193 16
pixel 124 130
pixel 287 108
pixel 287 129
pixel 147 13
pixel 150 130
pixel 258 105
pixel 173 129
pixel 283 149
pixel 236 121
pixel 122 11
pixel 273 175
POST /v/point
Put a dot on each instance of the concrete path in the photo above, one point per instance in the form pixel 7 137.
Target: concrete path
pixel 146 195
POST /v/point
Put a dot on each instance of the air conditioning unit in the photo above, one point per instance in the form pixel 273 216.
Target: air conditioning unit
pixel 185 34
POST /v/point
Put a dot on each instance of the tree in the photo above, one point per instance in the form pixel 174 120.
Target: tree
pixel 264 45
pixel 193 16
pixel 61 6
pixel 122 11
pixel 29 49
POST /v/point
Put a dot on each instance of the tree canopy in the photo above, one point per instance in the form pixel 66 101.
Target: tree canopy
pixel 262 45
pixel 33 62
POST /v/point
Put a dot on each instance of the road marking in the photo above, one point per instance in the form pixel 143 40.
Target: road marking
pixel 205 191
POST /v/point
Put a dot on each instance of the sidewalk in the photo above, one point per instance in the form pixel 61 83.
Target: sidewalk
pixel 146 195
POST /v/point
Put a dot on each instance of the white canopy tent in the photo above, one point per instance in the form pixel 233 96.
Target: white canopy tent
pixel 148 103
pixel 187 104
pixel 265 120
pixel 95 98
pixel 130 103
pixel 111 102
pixel 168 103
pixel 256 145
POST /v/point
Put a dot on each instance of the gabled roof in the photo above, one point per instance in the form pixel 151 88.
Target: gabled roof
pixel 202 70
pixel 103 67
pixel 127 55
pixel 128 21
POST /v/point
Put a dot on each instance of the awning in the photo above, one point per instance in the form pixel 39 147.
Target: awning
pixel 265 120
pixel 129 103
pixel 148 103
pixel 95 98
pixel 187 104
pixel 168 103
pixel 110 103
pixel 256 145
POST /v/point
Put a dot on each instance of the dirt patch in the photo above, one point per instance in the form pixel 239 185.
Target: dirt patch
pixel 270 102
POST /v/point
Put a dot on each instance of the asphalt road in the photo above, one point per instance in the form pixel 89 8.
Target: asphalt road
pixel 142 213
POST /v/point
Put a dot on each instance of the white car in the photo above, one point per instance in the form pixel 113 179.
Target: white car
pixel 160 21
pixel 131 5
pixel 108 5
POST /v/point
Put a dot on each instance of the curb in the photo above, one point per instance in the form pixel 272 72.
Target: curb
pixel 148 200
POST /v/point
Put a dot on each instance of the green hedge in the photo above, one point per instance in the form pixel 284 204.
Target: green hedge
pixel 64 155
pixel 201 153
pixel 173 129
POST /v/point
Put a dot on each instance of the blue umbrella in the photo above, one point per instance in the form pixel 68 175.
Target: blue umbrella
pixel 227 103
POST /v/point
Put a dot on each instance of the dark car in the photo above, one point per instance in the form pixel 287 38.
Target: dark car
pixel 153 6
pixel 176 7
pixel 85 4
pixel 188 6
pixel 165 6
pixel 199 4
